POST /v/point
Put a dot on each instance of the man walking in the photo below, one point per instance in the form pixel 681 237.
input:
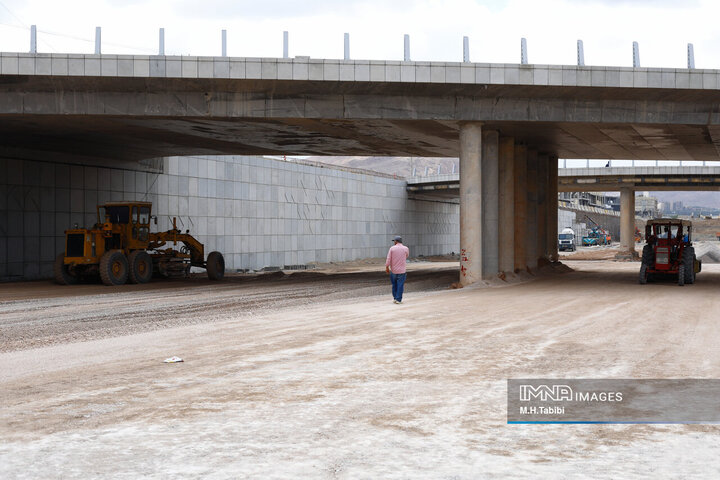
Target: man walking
pixel 395 266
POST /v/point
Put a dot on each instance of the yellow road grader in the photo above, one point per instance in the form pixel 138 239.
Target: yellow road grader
pixel 120 247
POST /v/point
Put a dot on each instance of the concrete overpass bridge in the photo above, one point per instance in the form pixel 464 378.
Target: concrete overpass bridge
pixel 626 180
pixel 508 123
pixel 612 179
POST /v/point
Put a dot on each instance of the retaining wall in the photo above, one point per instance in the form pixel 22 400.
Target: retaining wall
pixel 259 212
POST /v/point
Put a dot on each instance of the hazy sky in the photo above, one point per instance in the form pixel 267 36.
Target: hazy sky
pixel 608 27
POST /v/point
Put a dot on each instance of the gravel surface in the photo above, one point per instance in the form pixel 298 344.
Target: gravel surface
pixel 340 383
pixel 35 314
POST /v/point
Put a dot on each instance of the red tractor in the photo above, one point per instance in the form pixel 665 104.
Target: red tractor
pixel 669 251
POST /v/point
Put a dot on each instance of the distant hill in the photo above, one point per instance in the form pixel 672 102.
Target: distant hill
pixel 694 199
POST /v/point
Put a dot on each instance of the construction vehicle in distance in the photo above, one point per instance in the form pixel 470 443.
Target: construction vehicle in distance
pixel 121 248
pixel 596 236
pixel 669 251
pixel 638 236
pixel 566 240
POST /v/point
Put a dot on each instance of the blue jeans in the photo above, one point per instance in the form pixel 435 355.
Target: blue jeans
pixel 398 285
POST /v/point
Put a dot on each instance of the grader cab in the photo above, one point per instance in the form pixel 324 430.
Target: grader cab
pixel 669 251
pixel 120 247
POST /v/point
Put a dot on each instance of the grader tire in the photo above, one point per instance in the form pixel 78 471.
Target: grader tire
pixel 215 266
pixel 114 268
pixel 643 274
pixel 141 267
pixel 62 272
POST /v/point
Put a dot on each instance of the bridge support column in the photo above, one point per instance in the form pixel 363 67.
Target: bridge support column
pixel 506 205
pixel 552 208
pixel 627 223
pixel 542 209
pixel 531 236
pixel 490 197
pixel 478 203
pixel 470 203
pixel 520 207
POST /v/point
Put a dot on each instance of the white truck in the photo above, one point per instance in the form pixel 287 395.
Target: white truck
pixel 566 240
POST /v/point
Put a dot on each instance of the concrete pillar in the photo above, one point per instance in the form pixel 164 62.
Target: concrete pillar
pixel 531 234
pixel 627 220
pixel 506 205
pixel 542 209
pixel 470 203
pixel 489 213
pixel 552 209
pixel 520 207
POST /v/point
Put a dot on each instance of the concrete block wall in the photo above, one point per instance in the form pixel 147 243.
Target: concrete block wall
pixel 258 212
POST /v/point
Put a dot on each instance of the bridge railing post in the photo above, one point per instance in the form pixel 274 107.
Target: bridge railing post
pixel 161 40
pixel 33 38
pixel 636 55
pixel 580 54
pixel 691 56
pixel 98 37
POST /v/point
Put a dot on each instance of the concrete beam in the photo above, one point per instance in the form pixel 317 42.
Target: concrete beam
pixel 531 219
pixel 520 195
pixel 489 215
pixel 552 208
pixel 542 209
pixel 470 203
pixel 506 205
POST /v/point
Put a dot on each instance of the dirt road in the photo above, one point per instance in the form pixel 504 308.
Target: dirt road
pixel 341 383
pixel 41 313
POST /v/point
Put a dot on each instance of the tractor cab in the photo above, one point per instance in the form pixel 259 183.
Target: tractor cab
pixel 128 221
pixel 669 250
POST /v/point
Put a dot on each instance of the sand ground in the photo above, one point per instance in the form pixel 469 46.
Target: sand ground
pixel 321 376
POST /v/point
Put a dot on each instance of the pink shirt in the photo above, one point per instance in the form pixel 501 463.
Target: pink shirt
pixel 396 258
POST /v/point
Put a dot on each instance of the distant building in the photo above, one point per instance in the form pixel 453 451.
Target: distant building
pixel 677 207
pixel 588 199
pixel 646 206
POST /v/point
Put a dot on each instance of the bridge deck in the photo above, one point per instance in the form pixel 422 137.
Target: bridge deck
pixel 124 107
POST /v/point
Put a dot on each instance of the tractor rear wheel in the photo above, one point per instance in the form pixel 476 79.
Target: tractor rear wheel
pixel 648 261
pixel 648 255
pixel 114 268
pixel 688 261
pixel 643 274
pixel 141 267
pixel 681 275
pixel 215 266
pixel 62 272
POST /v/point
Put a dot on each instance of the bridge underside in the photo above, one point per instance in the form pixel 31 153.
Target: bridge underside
pixel 116 118
pixel 123 138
